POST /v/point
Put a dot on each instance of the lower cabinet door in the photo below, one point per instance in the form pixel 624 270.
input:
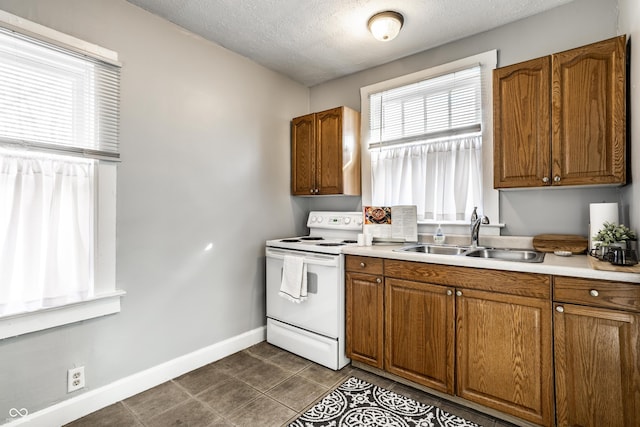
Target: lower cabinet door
pixel 419 333
pixel 504 353
pixel 597 363
pixel 364 306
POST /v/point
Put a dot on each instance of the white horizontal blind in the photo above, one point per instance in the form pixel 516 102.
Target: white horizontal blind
pixel 430 109
pixel 55 99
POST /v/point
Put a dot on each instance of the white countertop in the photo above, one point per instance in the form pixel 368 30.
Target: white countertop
pixel 574 266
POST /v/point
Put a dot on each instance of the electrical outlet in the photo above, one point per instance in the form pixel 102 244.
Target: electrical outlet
pixel 75 379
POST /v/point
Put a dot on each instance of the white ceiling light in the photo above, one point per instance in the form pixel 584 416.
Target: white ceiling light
pixel 385 26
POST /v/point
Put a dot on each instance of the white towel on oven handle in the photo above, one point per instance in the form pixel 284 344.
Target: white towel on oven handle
pixel 294 279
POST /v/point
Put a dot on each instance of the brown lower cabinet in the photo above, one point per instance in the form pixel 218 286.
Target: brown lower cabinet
pixel 597 352
pixel 419 333
pixel 486 336
pixel 365 304
pixel 482 335
pixel 504 355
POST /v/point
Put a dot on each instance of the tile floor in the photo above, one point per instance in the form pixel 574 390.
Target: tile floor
pixel 259 386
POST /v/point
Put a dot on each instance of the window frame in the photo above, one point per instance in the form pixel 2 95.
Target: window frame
pixel 488 61
pixel 107 298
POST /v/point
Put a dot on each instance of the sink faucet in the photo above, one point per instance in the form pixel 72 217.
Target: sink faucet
pixel 476 221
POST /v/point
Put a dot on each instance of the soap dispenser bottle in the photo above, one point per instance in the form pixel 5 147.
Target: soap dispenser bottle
pixel 439 237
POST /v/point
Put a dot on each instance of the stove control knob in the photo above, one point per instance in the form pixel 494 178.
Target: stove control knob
pixel 347 220
pixel 359 221
pixel 313 219
pixel 319 219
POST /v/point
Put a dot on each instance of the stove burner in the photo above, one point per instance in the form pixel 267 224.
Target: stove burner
pixel 290 240
pixel 312 238
pixel 349 241
pixel 330 244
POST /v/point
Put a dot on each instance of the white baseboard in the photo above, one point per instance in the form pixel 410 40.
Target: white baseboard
pixel 93 400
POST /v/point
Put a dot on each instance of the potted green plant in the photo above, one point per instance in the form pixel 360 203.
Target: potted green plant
pixel 615 235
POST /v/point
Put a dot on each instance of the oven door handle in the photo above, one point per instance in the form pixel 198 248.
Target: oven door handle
pixel 309 258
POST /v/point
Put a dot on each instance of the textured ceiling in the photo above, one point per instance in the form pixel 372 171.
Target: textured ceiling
pixel 314 41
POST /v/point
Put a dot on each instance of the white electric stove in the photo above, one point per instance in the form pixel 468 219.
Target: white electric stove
pixel 314 328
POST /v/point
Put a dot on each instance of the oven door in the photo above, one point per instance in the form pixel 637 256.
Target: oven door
pixel 323 310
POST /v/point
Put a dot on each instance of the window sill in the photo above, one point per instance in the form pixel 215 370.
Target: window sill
pixel 24 323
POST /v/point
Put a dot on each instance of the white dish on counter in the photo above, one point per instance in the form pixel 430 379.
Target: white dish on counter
pixel 562 253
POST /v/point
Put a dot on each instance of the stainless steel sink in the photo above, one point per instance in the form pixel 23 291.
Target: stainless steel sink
pixel 434 249
pixel 519 255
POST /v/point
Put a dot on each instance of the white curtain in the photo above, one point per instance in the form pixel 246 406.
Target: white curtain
pixel 442 178
pixel 46 231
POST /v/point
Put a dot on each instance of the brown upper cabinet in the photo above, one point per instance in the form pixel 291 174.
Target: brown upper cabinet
pixel 325 153
pixel 561 119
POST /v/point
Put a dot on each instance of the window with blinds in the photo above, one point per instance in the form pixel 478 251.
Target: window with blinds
pixel 59 113
pixel 57 99
pixel 430 109
pixel 425 137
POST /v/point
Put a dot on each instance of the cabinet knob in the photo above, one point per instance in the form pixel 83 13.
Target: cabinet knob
pixel 545 179
pixel 593 293
pixel 362 264
pixel 449 292
pixel 556 178
pixel 560 309
pixel 459 293
pixel 378 280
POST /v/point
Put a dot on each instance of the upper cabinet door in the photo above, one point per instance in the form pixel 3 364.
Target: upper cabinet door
pixel 522 131
pixel 589 117
pixel 561 120
pixel 303 153
pixel 329 137
pixel 325 153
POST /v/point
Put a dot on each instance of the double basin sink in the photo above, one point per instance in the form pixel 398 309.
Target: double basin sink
pixel 517 255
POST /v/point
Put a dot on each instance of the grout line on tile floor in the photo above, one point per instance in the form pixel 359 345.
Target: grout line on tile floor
pixel 132 412
pixel 324 378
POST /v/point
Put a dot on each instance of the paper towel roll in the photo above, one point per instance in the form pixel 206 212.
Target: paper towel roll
pixel 599 213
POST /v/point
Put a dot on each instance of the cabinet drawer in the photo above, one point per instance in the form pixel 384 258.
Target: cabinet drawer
pixel 364 264
pixel 506 282
pixel 597 293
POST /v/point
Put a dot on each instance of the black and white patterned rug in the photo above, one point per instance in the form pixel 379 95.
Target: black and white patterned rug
pixel 358 403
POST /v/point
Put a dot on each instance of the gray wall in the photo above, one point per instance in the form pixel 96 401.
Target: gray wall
pixel 205 149
pixel 525 212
